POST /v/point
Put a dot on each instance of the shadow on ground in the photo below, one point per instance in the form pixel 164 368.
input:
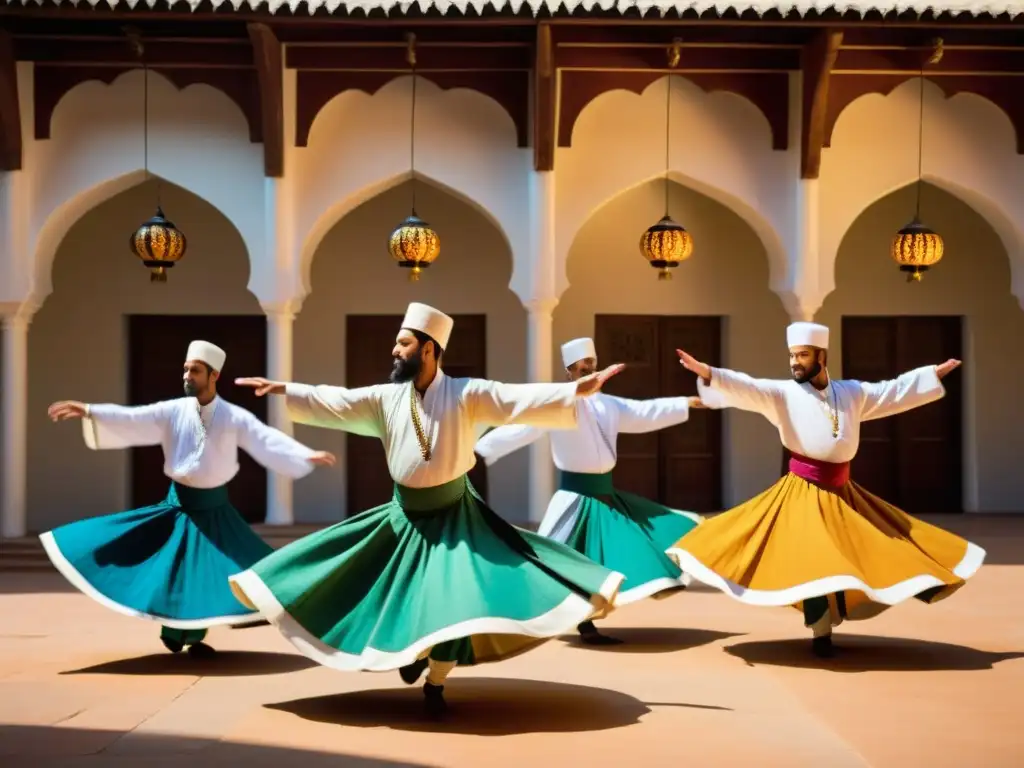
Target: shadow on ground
pixel 482 706
pixel 36 746
pixel 224 664
pixel 868 653
pixel 651 639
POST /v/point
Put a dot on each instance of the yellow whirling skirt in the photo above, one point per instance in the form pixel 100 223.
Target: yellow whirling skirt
pixel 798 540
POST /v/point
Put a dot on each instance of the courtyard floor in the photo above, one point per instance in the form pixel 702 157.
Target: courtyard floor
pixel 703 681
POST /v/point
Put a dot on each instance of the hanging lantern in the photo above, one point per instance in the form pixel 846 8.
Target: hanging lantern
pixel 414 245
pixel 916 248
pixel 665 245
pixel 159 244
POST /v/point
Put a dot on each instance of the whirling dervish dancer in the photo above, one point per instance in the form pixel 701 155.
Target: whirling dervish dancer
pixel 816 540
pixel 170 562
pixel 433 578
pixel 620 530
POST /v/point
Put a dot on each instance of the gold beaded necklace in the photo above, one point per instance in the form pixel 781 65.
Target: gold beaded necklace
pixel 832 411
pixel 418 426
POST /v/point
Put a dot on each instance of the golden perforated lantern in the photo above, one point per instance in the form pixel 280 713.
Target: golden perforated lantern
pixel 414 245
pixel 665 245
pixel 916 249
pixel 159 244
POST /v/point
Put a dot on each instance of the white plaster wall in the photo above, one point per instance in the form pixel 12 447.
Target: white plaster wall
pixel 78 344
pixel 969 150
pixel 198 139
pixel 720 146
pixel 352 273
pixel 727 276
pixel 972 280
pixel 359 146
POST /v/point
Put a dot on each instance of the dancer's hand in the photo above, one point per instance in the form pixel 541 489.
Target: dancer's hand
pixel 67 409
pixel 695 402
pixel 262 386
pixel 947 367
pixel 322 459
pixel 692 364
pixel 590 385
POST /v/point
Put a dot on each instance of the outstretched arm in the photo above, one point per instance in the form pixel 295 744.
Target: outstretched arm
pixel 500 442
pixel 551 406
pixel 108 426
pixel 911 390
pixel 359 411
pixel 722 388
pixel 638 416
pixel 276 451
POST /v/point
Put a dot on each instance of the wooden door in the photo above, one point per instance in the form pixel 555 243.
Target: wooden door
pixel 913 460
pixel 369 340
pixel 680 467
pixel 156 352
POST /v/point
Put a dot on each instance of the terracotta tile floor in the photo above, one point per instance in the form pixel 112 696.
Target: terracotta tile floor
pixel 703 681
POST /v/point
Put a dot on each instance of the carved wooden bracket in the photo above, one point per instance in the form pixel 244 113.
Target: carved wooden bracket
pixel 816 65
pixel 10 112
pixel 545 100
pixel 268 58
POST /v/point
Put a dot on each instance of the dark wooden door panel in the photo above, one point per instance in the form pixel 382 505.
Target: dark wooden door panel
pixel 156 352
pixel 368 361
pixel 679 466
pixel 913 460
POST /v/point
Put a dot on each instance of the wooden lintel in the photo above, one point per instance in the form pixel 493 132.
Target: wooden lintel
pixel 545 100
pixel 268 58
pixel 817 60
pixel 10 111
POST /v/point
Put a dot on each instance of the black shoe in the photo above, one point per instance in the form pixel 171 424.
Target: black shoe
pixel 174 646
pixel 433 700
pixel 201 651
pixel 590 635
pixel 822 647
pixel 411 672
pixel 253 623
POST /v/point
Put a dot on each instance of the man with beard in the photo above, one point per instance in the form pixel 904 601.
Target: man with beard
pixel 620 530
pixel 816 540
pixel 170 562
pixel 433 578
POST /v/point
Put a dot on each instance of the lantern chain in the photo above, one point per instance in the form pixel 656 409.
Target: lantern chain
pixel 410 57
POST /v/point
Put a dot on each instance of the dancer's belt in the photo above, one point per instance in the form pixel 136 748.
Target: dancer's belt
pixel 586 483
pixel 823 473
pixel 198 499
pixel 435 497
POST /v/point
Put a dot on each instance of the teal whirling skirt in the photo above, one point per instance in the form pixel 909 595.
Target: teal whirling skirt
pixel 434 571
pixel 628 534
pixel 168 563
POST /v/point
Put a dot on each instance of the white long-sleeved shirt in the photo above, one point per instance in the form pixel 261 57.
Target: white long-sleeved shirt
pixel 584 449
pixel 801 412
pixel 200 443
pixel 449 411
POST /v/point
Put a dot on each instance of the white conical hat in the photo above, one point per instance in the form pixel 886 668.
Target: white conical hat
pixel 576 350
pixel 807 335
pixel 433 322
pixel 208 353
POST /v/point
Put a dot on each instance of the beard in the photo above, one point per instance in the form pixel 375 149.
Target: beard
pixel 406 370
pixel 191 390
pixel 802 375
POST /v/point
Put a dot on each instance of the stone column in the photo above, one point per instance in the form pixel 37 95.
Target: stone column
pixel 280 323
pixel 541 305
pixel 14 410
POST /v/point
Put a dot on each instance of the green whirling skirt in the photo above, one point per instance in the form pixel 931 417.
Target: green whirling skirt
pixel 628 534
pixel 433 572
pixel 168 562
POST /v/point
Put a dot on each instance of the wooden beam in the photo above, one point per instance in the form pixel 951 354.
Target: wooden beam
pixel 10 111
pixel 816 65
pixel 545 100
pixel 267 56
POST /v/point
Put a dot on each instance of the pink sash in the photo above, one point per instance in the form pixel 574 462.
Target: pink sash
pixel 821 473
